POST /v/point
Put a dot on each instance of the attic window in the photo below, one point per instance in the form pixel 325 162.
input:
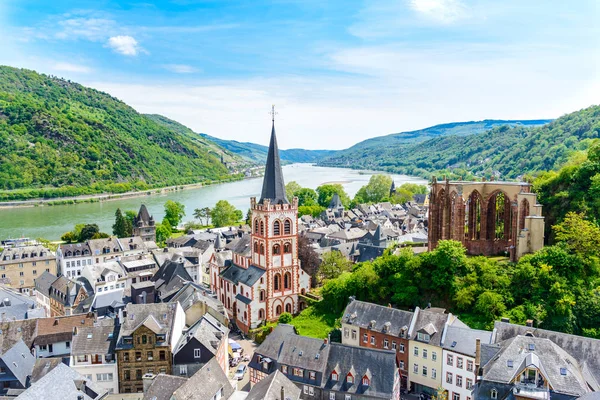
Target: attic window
pixel 334 376
pixel 89 336
pixel 509 363
pixel 349 379
pixel 300 353
pixel 317 356
pixel 494 394
pixel 563 371
pixel 531 346
pixel 453 344
pixel 365 381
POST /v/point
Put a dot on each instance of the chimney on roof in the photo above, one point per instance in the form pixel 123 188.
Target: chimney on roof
pixel 529 323
pixel 504 319
pixel 477 357
pixel 282 393
pixel 74 331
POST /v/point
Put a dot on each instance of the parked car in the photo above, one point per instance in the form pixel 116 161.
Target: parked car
pixel 240 372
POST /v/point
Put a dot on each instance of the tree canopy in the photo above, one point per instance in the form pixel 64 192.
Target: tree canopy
pixel 225 214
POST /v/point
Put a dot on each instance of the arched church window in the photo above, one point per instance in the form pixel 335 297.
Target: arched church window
pixel 276 249
pixel 276 228
pixel 287 227
pixel 288 308
pixel 261 295
pixel 262 249
pixel 277 282
pixel 261 314
pixel 262 228
pixel 256 225
pixel 256 247
pixel 278 310
pixel 287 248
pixel 287 280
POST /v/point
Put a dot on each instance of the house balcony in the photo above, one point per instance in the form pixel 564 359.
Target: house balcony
pixel 527 390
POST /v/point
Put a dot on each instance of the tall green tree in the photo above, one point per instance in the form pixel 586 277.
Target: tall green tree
pixel 291 188
pixel 202 214
pixel 306 197
pixel 87 232
pixel 225 214
pixel 174 212
pixel 333 264
pixel 326 192
pixel 377 190
pixel 120 228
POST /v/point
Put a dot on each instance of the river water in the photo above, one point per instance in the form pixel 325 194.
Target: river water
pixel 51 222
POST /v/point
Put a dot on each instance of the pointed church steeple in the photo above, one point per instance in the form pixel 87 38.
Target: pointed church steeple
pixel 273 185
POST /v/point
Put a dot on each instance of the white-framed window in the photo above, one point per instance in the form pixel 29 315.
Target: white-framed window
pixel 424 370
pixel 331 396
pixel 312 375
pixel 43 347
pixel 349 379
pixel 433 373
pixel 401 347
pixel 346 332
pixel 305 389
pixel 401 364
pixel 469 384
pixel 449 378
pixel 433 355
pixel 424 353
pixel 459 362
pixel 183 370
pixel 347 397
pixel 298 372
pixel 416 351
pixel 373 340
pixel 494 394
pixel 284 369
pixel 470 365
pixel 196 353
pixel 416 368
pixel 106 377
pixel 458 380
pixel 353 335
pixel 455 396
pixel 450 359
pixel 311 391
pixel 365 338
pixel 394 345
pixel 386 343
pixel 423 337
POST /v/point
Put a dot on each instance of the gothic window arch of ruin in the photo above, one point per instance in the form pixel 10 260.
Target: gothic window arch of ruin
pixel 473 216
pixel 523 213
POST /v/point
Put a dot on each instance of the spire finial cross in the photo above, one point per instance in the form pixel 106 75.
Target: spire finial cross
pixel 273 113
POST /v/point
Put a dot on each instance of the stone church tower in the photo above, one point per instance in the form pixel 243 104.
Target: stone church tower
pixel 274 239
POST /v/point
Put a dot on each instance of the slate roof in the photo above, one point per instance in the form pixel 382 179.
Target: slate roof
pixel 243 298
pixel 160 316
pixel 205 383
pixel 360 313
pixel 73 248
pixel 163 386
pixel 240 246
pixel 302 351
pixel 14 305
pixel 462 340
pixel 44 365
pixel 270 388
pixel 542 353
pixel 272 344
pixel 335 202
pixel 65 287
pixel 44 282
pixel 223 258
pixel 19 360
pixel 207 331
pixel 97 339
pixel 426 317
pixel 13 331
pixel 60 329
pixel 143 215
pixel 25 253
pixel 113 298
pixel 273 185
pixel 192 293
pixel 63 383
pixel 378 365
pixel 348 234
pixel 585 350
pixel 249 276
pixel 171 276
pixel 97 245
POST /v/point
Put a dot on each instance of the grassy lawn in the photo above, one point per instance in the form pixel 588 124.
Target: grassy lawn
pixel 315 323
pixel 177 234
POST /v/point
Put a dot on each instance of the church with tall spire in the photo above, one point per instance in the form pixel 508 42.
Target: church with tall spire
pixel 265 279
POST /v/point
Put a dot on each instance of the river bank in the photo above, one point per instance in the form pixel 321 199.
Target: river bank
pixel 51 222
pixel 101 197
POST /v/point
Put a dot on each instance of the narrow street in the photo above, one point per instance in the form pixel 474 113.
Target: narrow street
pixel 248 346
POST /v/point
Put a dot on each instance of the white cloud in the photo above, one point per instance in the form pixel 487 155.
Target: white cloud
pixel 70 67
pixel 125 45
pixel 180 68
pixel 93 29
pixel 445 11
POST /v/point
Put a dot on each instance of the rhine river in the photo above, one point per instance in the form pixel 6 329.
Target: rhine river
pixel 50 222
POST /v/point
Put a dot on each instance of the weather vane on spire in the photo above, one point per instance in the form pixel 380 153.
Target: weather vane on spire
pixel 273 113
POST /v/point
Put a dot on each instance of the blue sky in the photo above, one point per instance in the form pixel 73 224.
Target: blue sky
pixel 338 71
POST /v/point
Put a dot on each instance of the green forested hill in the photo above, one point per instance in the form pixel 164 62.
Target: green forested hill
pixel 503 151
pixel 258 153
pixel 59 138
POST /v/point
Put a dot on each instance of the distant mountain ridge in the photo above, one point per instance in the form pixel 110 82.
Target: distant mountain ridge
pixel 258 153
pixel 509 150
